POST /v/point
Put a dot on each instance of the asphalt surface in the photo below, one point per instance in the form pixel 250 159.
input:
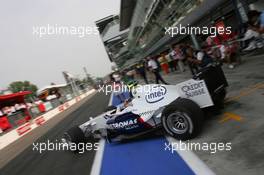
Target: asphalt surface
pixel 241 122
pixel 31 162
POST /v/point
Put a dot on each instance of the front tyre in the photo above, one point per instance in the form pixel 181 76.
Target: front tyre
pixel 74 135
pixel 182 119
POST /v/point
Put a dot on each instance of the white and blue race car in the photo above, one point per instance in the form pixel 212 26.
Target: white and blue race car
pixel 178 109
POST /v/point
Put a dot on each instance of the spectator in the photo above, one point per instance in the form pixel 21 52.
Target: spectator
pixel 29 105
pixel 178 57
pixel 141 71
pixel 6 110
pixel 131 74
pixel 228 54
pixel 256 21
pixel 250 39
pixel 111 78
pixel 116 77
pixel 184 48
pixel 125 79
pixel 169 58
pixel 203 59
pixel 17 106
pixel 163 63
pixel 190 58
pixel 153 66
pixel 174 60
pixel 50 97
pixel 12 109
pixel 253 36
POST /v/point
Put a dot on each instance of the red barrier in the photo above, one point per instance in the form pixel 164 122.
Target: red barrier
pixel 4 123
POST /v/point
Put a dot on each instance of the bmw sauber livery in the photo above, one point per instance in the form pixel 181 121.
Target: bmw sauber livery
pixel 178 109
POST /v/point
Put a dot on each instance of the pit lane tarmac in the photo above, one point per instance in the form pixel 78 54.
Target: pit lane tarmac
pixel 30 162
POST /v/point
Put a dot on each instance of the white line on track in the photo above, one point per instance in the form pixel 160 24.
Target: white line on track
pixel 98 158
pixel 196 164
pixel 111 99
pixel 100 152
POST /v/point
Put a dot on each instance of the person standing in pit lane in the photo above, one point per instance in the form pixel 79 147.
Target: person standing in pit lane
pixel 191 59
pixel 178 57
pixel 256 21
pixel 170 60
pixel 141 71
pixel 163 63
pixel 153 66
pixel 117 77
pixel 203 59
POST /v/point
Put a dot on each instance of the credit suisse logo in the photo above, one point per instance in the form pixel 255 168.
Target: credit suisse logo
pixel 156 94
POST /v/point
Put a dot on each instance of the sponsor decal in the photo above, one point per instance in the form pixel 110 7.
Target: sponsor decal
pixel 146 113
pixel 77 99
pixel 23 129
pixel 61 108
pixel 156 94
pixel 66 105
pixel 192 90
pixel 124 124
pixel 40 120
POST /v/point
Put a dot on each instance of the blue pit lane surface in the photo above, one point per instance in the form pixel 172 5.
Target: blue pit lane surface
pixel 142 157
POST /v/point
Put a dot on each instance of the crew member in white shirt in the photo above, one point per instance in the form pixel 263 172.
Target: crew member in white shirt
pixel 152 64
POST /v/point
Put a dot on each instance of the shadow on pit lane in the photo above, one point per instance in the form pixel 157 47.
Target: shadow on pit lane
pixel 149 136
pixel 212 112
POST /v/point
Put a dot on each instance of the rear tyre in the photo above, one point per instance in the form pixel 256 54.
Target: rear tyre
pixel 182 119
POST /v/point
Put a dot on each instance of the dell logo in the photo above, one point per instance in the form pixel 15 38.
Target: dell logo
pixel 156 94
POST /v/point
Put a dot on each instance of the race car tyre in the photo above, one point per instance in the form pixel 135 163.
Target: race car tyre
pixel 75 135
pixel 183 119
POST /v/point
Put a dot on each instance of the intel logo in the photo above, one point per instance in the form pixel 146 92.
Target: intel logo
pixel 156 94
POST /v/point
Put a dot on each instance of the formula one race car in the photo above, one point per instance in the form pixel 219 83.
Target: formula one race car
pixel 176 108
